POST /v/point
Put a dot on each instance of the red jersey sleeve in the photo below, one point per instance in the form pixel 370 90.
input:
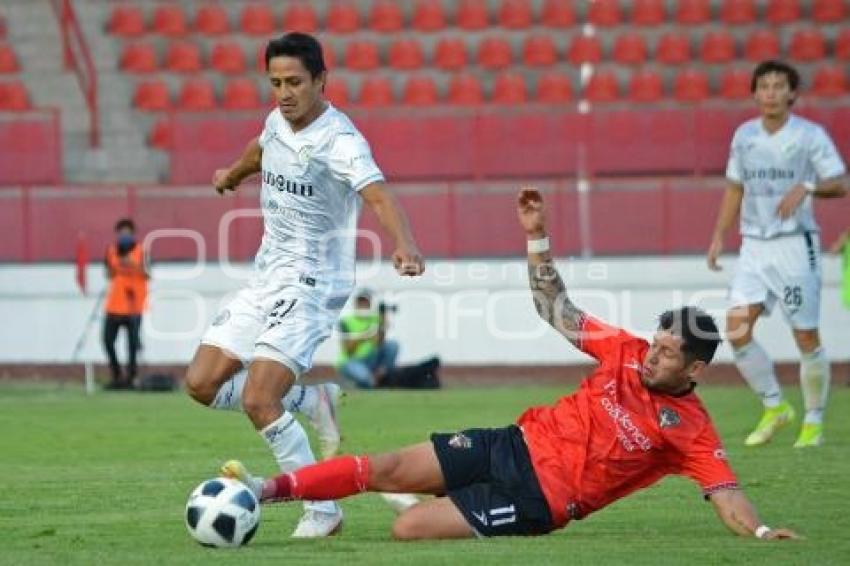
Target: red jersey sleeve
pixel 600 339
pixel 705 462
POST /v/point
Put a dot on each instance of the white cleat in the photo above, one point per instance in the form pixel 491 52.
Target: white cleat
pixel 316 524
pixel 323 419
pixel 400 502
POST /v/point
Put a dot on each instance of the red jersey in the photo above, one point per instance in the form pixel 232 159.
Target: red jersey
pixel 614 436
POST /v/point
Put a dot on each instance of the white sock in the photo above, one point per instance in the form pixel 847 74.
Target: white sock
pixel 291 449
pixel 757 369
pixel 300 398
pixel 814 381
pixel 229 396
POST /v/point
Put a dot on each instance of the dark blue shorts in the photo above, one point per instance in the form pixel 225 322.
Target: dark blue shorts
pixel 490 478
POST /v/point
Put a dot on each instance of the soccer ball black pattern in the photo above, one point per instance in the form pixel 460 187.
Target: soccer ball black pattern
pixel 222 512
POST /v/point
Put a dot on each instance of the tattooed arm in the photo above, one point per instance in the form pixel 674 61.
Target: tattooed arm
pixel 547 288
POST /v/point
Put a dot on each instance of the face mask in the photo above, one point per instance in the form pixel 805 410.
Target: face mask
pixel 126 240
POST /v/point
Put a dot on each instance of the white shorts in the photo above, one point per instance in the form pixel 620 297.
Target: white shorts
pixel 285 324
pixel 785 269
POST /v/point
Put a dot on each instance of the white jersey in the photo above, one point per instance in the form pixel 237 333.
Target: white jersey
pixel 310 200
pixel 769 165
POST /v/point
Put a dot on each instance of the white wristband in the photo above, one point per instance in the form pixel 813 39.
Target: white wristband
pixel 538 246
pixel 811 188
pixel 761 531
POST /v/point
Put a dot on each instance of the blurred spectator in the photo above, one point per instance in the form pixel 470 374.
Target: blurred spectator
pixel 126 269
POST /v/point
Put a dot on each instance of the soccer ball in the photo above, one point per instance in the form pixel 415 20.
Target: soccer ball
pixel 222 512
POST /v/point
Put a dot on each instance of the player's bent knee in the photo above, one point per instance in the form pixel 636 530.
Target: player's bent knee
pixel 198 385
pixel 408 527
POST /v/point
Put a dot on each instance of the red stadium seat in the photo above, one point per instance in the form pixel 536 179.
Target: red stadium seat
pixel 693 12
pixel 8 59
pixel 300 17
pixel 257 19
pixel 648 12
pixel 212 19
pixel 136 58
pixel 558 14
pixel 14 96
pixel 807 45
pixel 603 87
pixel 735 84
pixel 362 55
pixel 342 17
pixel 509 88
pixel 718 47
pixel 169 20
pixel 420 91
pixel 630 49
pixel 183 57
pixel 691 86
pixel 829 11
pixel 646 86
pixel 604 13
pixel 539 51
pixel 161 135
pixel 450 54
pixel 336 92
pixel 782 11
pixel 465 90
pixel 762 44
pixel 152 96
pixel 472 15
pixel 554 88
pixel 227 57
pixel 329 55
pixel 515 14
pixel 197 95
pixel 126 21
pixel 842 45
pixel 405 54
pixel 584 49
pixel 428 15
pixel 376 91
pixel 738 12
pixel 494 53
pixel 385 16
pixel 673 49
pixel 829 82
pixel 241 94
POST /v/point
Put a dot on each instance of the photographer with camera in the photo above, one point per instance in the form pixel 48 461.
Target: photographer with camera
pixel 126 270
pixel 366 356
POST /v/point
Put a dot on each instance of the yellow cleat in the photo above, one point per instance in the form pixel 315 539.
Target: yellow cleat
pixel 234 469
pixel 810 435
pixel 771 421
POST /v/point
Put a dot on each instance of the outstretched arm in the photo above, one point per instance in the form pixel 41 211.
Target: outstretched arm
pixel 547 288
pixel 250 162
pixel 739 516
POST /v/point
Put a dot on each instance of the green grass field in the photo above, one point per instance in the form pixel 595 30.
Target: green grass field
pixel 104 480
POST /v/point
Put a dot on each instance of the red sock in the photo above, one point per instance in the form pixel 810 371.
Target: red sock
pixel 332 479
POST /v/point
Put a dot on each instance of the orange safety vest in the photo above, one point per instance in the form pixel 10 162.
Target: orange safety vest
pixel 128 288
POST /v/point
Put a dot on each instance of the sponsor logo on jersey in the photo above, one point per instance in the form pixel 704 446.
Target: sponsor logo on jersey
pixel 285 185
pixel 221 317
pixel 769 174
pixel 630 436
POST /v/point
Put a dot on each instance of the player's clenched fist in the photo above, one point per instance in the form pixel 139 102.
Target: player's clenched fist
pixel 221 182
pixel 408 261
pixel 530 211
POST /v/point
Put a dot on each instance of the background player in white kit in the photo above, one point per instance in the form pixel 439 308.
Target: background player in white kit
pixel 316 167
pixel 778 163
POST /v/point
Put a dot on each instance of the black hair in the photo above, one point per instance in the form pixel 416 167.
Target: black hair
pixel 125 223
pixel 775 66
pixel 302 46
pixel 696 328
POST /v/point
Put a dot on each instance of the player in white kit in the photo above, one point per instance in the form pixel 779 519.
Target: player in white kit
pixel 778 163
pixel 316 169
